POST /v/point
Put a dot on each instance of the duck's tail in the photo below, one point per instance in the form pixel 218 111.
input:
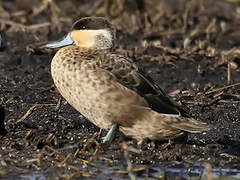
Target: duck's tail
pixel 190 125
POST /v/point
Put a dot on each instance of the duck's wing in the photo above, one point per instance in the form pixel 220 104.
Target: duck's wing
pixel 130 76
pixel 155 94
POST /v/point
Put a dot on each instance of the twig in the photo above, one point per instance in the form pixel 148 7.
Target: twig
pixel 12 23
pixel 208 168
pixel 210 27
pixel 63 162
pixel 24 27
pixel 44 104
pixel 228 101
pixel 39 158
pixel 88 145
pixel 68 147
pixel 52 149
pixel 185 19
pixel 95 6
pixel 229 73
pixel 129 164
pixel 79 172
pixel 41 8
pixel 76 174
pixel 59 102
pixel 222 88
pixel 85 162
pixel 139 169
pixel 30 110
pixel 37 26
pixel 4 13
pixel 28 134
pixel 49 138
pixel 105 159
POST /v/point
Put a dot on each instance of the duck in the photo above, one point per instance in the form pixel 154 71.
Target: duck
pixel 110 90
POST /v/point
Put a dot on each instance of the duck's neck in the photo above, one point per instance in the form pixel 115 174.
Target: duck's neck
pixel 95 49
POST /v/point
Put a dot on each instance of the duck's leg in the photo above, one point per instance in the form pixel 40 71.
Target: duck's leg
pixel 111 133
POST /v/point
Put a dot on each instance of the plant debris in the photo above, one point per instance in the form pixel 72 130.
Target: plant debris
pixel 190 48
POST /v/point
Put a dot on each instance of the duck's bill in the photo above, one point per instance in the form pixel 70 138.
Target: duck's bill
pixel 66 41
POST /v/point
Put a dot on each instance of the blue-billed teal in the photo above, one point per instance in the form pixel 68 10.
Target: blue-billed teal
pixel 110 90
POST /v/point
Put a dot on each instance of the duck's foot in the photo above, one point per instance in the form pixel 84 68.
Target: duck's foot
pixel 111 134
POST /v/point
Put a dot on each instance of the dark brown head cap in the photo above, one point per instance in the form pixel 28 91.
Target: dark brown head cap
pixel 92 23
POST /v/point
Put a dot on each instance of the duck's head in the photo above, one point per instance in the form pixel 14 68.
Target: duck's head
pixel 89 32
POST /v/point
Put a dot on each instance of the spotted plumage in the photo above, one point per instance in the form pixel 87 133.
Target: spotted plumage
pixel 109 89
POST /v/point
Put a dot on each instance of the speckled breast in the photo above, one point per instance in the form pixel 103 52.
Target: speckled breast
pixel 78 84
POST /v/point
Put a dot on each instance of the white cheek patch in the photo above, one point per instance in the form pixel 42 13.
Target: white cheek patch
pixel 102 38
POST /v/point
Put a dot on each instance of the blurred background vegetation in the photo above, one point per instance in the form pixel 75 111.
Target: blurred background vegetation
pixel 215 22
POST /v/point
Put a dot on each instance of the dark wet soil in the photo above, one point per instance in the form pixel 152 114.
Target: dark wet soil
pixel 190 48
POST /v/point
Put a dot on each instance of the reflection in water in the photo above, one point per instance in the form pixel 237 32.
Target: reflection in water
pixel 152 173
pixel 33 176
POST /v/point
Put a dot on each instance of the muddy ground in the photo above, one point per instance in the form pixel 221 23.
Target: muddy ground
pixel 190 48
